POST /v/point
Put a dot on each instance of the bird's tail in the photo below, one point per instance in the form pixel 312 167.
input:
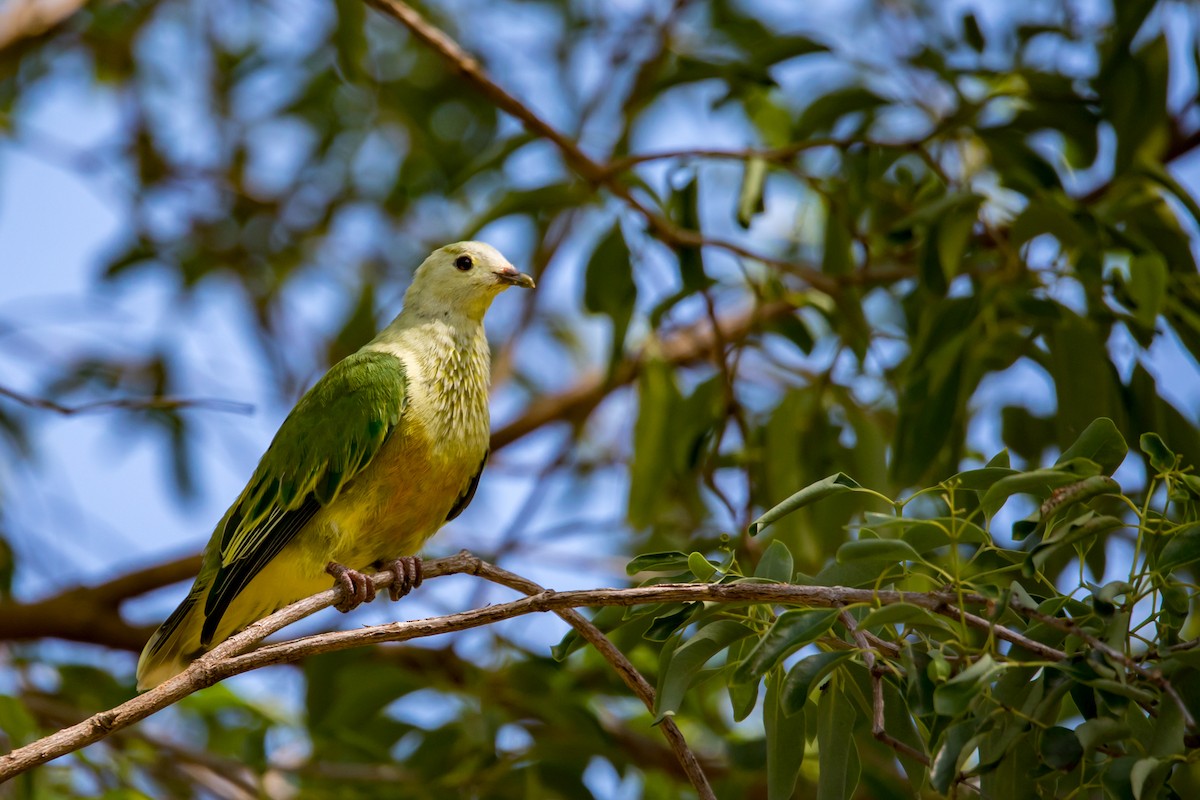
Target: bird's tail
pixel 174 645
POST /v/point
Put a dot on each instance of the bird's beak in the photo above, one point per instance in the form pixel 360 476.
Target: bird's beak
pixel 510 276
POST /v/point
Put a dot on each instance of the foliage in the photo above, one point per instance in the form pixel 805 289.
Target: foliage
pixel 926 236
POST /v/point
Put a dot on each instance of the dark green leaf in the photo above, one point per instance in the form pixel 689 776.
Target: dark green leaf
pixel 785 743
pixel 790 631
pixel 952 697
pixel 891 550
pixel 609 287
pixel 836 484
pixel 838 752
pixel 682 665
pixel 1161 457
pixel 776 563
pixel 806 675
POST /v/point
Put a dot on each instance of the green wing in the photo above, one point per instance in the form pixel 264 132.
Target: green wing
pixel 332 433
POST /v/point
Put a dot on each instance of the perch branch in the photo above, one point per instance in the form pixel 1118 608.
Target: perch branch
pixel 231 657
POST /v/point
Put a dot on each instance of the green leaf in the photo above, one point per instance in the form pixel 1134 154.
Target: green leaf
pixel 750 198
pixel 1060 748
pixel 954 233
pixel 1161 457
pixel 808 673
pixel 1181 550
pixel 890 550
pixel 16 722
pixel 790 631
pixel 1101 731
pixel 838 258
pixel 785 743
pixel 1100 442
pixel 742 696
pixel 952 697
pixel 684 662
pixel 776 563
pixel 609 287
pixel 980 480
pixel 701 567
pixel 664 625
pixel 1147 777
pixel 1147 286
pixel 949 755
pixel 1038 482
pixel 667 561
pixel 836 484
pixel 901 614
pixel 653 436
pixel 838 752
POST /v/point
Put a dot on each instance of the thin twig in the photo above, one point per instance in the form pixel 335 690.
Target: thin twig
pixel 129 404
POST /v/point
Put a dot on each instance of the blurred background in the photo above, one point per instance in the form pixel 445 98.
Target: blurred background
pixel 925 231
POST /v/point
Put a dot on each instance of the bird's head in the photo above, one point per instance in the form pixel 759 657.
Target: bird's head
pixel 463 277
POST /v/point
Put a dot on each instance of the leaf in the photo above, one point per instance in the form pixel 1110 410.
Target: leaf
pixel 682 665
pixel 837 750
pixel 776 563
pixel 1038 482
pixel 1060 748
pixel 952 697
pixel 1146 777
pixel 785 743
pixel 954 233
pixel 944 768
pixel 742 696
pixel 1100 442
pixel 1181 550
pixel 806 675
pixel 750 198
pixel 653 434
pixel 901 614
pixel 980 480
pixel 838 258
pixel 701 567
pixel 1161 457
pixel 609 288
pixel 836 484
pixel 890 550
pixel 1147 286
pixel 790 631
pixel 667 561
pixel 664 625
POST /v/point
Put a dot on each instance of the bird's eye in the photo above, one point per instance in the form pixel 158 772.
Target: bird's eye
pixel 463 263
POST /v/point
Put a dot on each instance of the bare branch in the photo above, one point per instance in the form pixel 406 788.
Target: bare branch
pixel 24 19
pixel 129 404
pixel 91 614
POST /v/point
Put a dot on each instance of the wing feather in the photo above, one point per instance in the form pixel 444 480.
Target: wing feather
pixel 328 438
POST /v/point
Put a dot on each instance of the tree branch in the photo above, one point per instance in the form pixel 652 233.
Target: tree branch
pixel 231 657
pixel 92 614
pixel 128 403
pixel 584 165
pixel 24 19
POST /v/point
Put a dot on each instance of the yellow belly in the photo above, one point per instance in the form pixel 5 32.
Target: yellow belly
pixel 392 507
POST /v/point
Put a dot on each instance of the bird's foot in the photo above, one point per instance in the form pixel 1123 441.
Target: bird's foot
pixel 357 588
pixel 408 572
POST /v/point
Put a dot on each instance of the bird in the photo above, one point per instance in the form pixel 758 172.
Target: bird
pixel 382 451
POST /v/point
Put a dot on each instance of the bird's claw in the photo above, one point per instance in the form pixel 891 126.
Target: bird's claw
pixel 408 572
pixel 357 588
